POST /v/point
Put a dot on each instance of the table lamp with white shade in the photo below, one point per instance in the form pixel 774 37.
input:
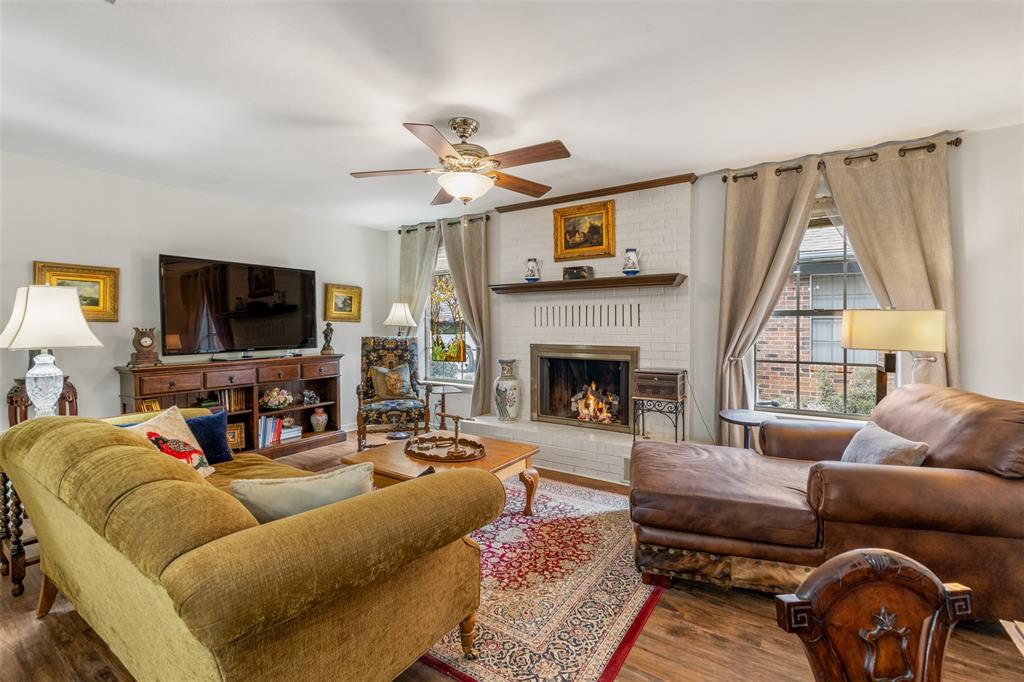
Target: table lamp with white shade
pixel 920 332
pixel 400 316
pixel 44 318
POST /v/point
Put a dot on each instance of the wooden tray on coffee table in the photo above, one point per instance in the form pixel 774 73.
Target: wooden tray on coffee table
pixel 503 458
pixel 438 448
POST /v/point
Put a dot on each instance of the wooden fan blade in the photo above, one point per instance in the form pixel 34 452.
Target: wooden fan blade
pixel 545 151
pixel 432 137
pixel 401 171
pixel 528 187
pixel 442 197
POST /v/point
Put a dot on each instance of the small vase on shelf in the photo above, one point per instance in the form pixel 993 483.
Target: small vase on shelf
pixel 319 420
pixel 532 270
pixel 631 264
pixel 506 392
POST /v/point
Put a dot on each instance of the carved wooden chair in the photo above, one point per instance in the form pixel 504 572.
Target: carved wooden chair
pixel 873 614
pixel 390 352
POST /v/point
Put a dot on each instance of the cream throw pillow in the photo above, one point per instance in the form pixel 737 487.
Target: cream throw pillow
pixel 169 434
pixel 875 445
pixel 275 498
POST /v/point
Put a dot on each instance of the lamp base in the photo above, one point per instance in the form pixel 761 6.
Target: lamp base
pixel 43 385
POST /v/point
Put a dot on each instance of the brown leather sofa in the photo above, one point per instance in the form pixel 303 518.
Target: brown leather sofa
pixel 733 517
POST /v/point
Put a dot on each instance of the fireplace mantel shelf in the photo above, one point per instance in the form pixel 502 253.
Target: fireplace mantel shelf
pixel 665 279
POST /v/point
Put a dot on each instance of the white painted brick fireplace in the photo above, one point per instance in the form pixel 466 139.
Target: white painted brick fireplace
pixel 656 320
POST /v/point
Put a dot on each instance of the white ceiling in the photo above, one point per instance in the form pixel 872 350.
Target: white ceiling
pixel 277 102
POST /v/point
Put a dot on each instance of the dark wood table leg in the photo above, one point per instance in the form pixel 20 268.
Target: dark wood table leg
pixel 746 437
pixel 530 479
pixel 443 424
pixel 17 559
pixel 5 531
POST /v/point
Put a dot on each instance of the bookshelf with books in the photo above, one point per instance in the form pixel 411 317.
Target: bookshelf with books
pixel 236 386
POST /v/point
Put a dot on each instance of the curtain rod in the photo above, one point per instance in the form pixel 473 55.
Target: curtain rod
pixel 430 226
pixel 870 155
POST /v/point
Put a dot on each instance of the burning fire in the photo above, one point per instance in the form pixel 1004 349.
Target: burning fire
pixel 593 406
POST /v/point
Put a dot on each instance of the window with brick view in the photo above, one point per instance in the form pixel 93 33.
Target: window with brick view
pixel 799 362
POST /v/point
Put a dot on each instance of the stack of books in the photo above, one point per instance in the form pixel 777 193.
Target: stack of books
pixel 272 431
pixel 234 399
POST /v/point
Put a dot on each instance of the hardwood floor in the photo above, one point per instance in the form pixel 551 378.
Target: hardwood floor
pixel 695 633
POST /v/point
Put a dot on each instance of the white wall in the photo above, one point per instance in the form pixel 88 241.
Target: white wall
pixel 53 212
pixel 705 290
pixel 657 222
pixel 987 198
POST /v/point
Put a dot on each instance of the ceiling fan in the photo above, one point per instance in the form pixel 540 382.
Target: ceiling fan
pixel 468 170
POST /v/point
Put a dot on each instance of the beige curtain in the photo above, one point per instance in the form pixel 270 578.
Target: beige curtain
pixel 416 262
pixel 765 219
pixel 896 211
pixel 465 244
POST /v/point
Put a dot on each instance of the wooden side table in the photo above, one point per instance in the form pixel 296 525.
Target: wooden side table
pixel 13 561
pixel 747 419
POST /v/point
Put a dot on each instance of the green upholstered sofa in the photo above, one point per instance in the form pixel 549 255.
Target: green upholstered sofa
pixel 182 583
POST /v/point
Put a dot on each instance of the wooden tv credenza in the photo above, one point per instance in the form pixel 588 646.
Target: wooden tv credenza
pixel 187 384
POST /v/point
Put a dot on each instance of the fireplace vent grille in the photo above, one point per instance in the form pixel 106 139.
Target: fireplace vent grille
pixel 593 315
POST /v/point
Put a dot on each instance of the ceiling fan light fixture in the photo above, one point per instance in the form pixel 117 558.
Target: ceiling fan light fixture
pixel 465 186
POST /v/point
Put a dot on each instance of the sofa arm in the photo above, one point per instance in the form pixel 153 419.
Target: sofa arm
pixel 919 498
pixel 253 579
pixel 806 439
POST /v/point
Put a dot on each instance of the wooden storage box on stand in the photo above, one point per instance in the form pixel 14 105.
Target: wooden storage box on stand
pixel 236 385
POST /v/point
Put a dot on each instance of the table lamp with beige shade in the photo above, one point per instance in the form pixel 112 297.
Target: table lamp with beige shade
pixel 401 317
pixel 44 318
pixel 920 332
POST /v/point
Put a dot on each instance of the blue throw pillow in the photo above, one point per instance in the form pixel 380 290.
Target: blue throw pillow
pixel 211 431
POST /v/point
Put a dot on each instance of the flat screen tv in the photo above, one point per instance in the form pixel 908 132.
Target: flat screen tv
pixel 210 306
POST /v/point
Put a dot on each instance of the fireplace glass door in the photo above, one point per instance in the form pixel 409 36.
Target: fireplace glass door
pixel 583 389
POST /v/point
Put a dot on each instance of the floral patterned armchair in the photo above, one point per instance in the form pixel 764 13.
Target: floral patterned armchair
pixel 389 352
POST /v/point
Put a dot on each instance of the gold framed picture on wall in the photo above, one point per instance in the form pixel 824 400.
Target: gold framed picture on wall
pixel 343 303
pixel 585 231
pixel 97 286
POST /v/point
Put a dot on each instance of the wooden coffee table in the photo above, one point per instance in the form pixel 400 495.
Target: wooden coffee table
pixel 503 458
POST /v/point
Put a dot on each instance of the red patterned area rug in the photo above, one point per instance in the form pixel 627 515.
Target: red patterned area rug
pixel 560 597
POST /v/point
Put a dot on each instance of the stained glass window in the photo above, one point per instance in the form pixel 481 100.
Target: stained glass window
pixel 447 328
pixel 450 351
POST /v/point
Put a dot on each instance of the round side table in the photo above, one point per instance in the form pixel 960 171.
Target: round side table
pixel 747 419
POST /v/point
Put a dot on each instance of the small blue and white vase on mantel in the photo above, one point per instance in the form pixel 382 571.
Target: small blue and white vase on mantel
pixel 532 270
pixel 631 264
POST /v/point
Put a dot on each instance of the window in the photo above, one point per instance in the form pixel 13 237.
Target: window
pixel 448 347
pixel 800 364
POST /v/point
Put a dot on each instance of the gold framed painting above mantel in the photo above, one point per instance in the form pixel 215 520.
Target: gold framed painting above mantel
pixel 343 303
pixel 97 286
pixel 585 231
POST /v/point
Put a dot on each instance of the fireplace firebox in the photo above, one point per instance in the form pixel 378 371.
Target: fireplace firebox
pixel 582 385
